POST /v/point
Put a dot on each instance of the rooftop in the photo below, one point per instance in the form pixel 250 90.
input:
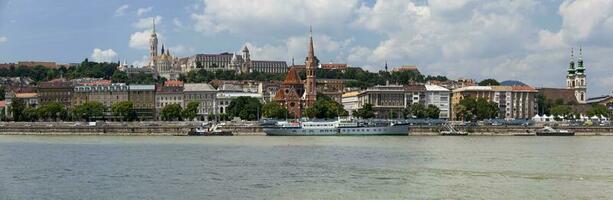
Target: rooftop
pixel 436 88
pixel 142 87
pixel 197 87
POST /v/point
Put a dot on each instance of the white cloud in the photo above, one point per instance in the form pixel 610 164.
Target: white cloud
pixel 181 50
pixel 142 62
pixel 122 10
pixel 296 47
pixel 3 39
pixel 267 15
pixel 142 11
pixel 140 39
pixel 99 55
pixel 147 22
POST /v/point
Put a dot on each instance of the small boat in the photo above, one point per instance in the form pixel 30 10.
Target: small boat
pixel 451 131
pixel 548 131
pixel 209 131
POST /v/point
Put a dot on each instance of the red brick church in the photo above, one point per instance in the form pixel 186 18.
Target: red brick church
pixel 293 93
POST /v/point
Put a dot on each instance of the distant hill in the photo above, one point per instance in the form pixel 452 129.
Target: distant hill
pixel 512 83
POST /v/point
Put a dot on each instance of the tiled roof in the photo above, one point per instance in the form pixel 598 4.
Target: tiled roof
pixel 26 95
pixel 473 88
pixel 599 99
pixel 292 78
pixel 436 88
pixel 334 66
pixel 523 88
pixel 405 68
pixel 173 83
pixel 415 88
pixel 351 94
pixel 197 87
pixel 2 104
pixel 142 87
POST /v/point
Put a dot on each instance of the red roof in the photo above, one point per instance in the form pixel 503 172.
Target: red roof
pixel 2 104
pixel 405 68
pixel 334 66
pixel 173 83
pixel 97 82
pixel 292 78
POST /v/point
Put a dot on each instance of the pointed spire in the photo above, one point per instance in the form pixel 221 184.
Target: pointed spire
pixel 311 51
pixel 386 65
pixel 153 25
pixel 163 49
pixel 292 61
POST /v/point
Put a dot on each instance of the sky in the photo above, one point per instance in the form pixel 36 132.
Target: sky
pixel 526 40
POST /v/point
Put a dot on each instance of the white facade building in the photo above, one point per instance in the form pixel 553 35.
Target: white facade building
pixel 439 97
pixel 228 92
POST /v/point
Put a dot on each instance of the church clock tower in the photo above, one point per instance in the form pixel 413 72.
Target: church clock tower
pixel 580 81
pixel 153 47
pixel 310 93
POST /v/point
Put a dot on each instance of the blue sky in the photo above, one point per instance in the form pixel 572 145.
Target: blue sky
pixel 525 40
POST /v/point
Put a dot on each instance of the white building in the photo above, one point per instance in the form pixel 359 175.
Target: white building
pixel 439 97
pixel 228 92
pixel 350 101
pixel 204 94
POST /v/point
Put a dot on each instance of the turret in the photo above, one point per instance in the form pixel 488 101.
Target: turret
pixel 580 68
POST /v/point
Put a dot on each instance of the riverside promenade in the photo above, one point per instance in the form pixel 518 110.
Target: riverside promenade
pixel 156 128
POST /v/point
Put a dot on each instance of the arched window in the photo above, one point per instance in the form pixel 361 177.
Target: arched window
pixel 582 96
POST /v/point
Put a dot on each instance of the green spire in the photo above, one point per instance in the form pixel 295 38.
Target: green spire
pixel 580 67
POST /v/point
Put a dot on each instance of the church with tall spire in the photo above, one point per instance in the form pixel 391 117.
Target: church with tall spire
pixel 294 94
pixel 311 63
pixel 163 64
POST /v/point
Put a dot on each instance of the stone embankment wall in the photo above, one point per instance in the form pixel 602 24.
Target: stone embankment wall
pixel 508 130
pixel 106 129
pixel 243 129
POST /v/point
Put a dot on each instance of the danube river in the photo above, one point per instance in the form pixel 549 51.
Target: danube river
pixel 39 167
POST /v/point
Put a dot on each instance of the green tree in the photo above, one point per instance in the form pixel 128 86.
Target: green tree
pixel 52 111
pixel 275 110
pixel 366 112
pixel 171 112
pixel 561 110
pixel 471 108
pixel 119 77
pixel 1 93
pixel 124 109
pixel 190 111
pixel 433 112
pixel 416 110
pixel 30 114
pixel 17 107
pixel 89 110
pixel 489 82
pixel 246 108
pixel 325 108
pixel 598 110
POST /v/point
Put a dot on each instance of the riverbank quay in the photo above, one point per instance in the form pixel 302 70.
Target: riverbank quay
pixel 98 128
pixel 508 130
pixel 157 128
